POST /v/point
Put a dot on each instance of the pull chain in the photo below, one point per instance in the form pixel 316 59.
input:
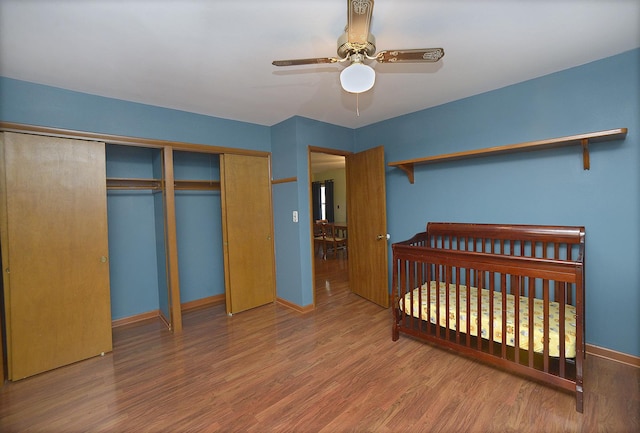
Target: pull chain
pixel 358 104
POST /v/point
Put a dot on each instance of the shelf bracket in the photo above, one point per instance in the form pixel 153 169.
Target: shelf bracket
pixel 408 169
pixel 585 154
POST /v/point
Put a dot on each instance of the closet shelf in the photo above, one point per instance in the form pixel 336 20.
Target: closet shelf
pixel 580 139
pixel 198 185
pixel 129 183
pixel 156 184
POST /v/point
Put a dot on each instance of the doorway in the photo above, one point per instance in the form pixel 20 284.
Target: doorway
pixel 368 248
pixel 328 193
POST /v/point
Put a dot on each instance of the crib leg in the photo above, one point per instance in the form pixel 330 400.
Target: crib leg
pixel 579 398
pixel 395 334
pixel 395 330
pixel 579 380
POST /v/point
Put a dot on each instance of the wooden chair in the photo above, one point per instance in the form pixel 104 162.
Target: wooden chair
pixel 320 237
pixel 335 238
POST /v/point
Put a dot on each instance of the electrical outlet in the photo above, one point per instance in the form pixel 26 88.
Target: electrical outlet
pixel 295 216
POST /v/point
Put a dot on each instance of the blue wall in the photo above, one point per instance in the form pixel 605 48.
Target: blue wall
pixel 291 263
pixel 290 158
pixel 543 187
pixel 35 104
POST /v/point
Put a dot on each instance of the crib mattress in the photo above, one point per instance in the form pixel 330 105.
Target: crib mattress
pixel 538 314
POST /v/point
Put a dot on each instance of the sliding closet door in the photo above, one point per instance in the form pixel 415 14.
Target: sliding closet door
pixel 54 252
pixel 247 224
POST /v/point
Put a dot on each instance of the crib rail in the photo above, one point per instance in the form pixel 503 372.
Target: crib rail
pixel 459 263
pixel 553 242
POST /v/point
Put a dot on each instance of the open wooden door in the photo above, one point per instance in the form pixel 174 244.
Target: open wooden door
pixel 367 220
pixel 247 226
pixel 54 251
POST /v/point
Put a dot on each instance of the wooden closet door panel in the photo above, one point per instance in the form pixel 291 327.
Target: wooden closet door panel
pixel 58 301
pixel 247 231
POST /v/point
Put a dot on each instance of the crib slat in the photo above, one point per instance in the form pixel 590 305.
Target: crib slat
pixel 412 283
pixel 545 326
pixel 561 341
pixel 468 281
pixel 457 305
pixel 516 320
pixel 503 281
pixel 447 281
pixel 429 277
pixel 569 293
pixel 437 296
pixel 491 309
pixel 409 281
pixel 479 285
pixel 420 279
pixel 530 295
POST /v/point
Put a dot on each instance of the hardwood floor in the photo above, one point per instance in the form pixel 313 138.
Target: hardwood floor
pixel 334 369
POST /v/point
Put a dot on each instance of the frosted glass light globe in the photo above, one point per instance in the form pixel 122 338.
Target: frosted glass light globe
pixel 357 78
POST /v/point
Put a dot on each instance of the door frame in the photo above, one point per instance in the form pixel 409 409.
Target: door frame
pixel 310 150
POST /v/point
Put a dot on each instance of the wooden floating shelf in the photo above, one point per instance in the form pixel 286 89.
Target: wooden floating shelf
pixel 582 139
pixel 156 184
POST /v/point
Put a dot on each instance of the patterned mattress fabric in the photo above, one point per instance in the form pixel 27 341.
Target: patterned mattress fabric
pixel 538 313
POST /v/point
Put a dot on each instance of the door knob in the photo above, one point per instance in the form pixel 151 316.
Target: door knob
pixel 381 237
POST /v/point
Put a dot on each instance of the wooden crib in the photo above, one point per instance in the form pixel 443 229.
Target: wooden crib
pixel 454 268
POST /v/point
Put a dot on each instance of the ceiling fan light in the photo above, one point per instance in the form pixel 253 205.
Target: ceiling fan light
pixel 357 78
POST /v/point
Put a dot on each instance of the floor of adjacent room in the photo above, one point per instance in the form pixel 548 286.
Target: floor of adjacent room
pixel 331 370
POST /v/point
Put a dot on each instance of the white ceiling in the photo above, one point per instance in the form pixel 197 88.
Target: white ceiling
pixel 214 57
pixel 321 162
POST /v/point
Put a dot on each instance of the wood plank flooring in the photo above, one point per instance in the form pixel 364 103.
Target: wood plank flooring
pixel 332 370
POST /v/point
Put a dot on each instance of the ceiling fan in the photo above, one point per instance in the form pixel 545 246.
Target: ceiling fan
pixel 357 45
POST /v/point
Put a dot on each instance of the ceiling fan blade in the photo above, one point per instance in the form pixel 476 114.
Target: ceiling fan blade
pixel 358 21
pixel 296 62
pixel 407 56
